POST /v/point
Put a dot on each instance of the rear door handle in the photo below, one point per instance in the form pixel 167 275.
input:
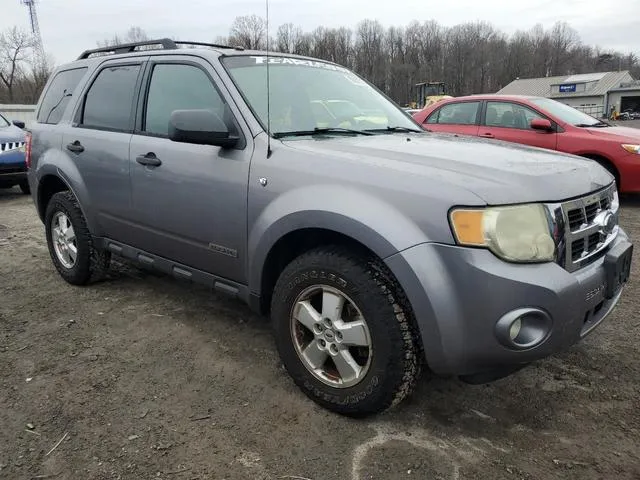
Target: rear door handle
pixel 150 160
pixel 75 147
pixel 487 135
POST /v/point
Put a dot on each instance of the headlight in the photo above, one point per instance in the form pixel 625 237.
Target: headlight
pixel 517 233
pixel 631 148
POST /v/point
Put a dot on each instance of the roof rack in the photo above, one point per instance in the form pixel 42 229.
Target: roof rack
pixel 164 43
pixel 214 45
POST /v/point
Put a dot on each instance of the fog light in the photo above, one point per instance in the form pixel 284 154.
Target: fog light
pixel 523 328
pixel 514 331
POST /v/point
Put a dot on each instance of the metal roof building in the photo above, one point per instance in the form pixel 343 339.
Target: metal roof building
pixel 594 93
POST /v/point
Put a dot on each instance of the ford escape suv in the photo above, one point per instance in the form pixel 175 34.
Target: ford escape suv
pixel 378 249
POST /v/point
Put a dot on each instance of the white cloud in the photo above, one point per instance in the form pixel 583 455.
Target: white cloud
pixel 70 26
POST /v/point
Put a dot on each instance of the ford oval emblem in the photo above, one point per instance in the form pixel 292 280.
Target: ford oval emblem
pixel 608 223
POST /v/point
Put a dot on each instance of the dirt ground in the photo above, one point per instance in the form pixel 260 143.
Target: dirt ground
pixel 143 377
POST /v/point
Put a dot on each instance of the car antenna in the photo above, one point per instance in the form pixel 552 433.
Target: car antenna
pixel 268 90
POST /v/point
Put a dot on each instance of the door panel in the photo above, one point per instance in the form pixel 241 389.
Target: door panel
pixel 510 122
pixel 104 166
pixel 455 117
pixel 99 143
pixel 192 207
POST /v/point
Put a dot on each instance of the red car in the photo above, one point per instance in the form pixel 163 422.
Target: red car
pixel 541 122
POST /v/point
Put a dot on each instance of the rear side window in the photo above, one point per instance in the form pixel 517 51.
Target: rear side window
pixel 177 87
pixel 59 94
pixel 109 101
pixel 462 113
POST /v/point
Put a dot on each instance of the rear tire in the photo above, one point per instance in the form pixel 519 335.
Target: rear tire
pixel 24 186
pixel 371 298
pixel 70 243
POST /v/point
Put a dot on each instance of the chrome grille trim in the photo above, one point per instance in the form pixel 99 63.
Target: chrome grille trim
pixel 589 224
pixel 6 147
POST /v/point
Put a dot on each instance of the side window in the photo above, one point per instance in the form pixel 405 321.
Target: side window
pixel 58 94
pixel 462 113
pixel 509 115
pixel 109 101
pixel 178 87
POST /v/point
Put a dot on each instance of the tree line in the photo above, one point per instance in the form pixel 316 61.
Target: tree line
pixel 472 57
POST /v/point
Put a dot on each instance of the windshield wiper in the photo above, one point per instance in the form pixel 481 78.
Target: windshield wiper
pixel 319 131
pixel 597 124
pixel 395 129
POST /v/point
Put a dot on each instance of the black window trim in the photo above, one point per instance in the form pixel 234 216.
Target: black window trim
pixel 437 110
pixel 141 104
pixel 50 84
pixel 523 105
pixel 79 114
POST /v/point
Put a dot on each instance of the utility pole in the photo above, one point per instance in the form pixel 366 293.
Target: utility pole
pixel 35 31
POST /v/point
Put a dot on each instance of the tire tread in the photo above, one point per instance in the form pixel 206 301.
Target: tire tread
pixel 404 335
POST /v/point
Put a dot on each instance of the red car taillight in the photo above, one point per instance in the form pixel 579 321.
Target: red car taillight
pixel 27 150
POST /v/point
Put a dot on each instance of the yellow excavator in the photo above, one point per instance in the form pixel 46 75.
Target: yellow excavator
pixel 428 93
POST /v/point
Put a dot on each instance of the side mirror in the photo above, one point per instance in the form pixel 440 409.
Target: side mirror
pixel 19 124
pixel 541 124
pixel 201 127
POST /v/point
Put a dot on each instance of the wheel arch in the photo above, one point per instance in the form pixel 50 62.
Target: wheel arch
pixel 56 172
pixel 606 163
pixel 301 231
pixel 319 213
pixel 293 244
pixel 48 186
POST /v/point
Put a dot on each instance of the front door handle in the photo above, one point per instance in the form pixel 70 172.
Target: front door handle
pixel 487 135
pixel 150 160
pixel 75 147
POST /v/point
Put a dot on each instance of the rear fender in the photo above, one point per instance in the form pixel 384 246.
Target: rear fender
pixel 56 163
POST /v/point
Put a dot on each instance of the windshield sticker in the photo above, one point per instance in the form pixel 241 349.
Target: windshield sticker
pixel 298 62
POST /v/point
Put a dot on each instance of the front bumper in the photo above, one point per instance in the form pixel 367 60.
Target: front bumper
pixel 13 168
pixel 459 294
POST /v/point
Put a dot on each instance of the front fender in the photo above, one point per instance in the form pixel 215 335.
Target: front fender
pixel 58 164
pixel 365 218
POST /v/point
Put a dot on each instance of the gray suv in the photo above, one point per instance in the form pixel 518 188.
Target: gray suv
pixel 377 248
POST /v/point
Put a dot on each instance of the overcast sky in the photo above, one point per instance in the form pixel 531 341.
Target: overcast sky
pixel 70 26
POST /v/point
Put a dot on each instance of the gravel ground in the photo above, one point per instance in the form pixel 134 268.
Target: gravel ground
pixel 143 377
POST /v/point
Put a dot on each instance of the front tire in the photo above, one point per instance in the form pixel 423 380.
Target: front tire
pixel 69 241
pixel 344 332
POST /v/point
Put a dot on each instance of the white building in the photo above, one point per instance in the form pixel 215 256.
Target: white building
pixel 24 113
pixel 593 93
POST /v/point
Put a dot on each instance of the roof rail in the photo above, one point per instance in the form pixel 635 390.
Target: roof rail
pixel 166 43
pixel 214 45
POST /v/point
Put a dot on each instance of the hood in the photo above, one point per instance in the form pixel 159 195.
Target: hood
pixel 497 172
pixel 622 134
pixel 11 133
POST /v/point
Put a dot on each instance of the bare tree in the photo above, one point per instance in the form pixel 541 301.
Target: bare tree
pixel 15 48
pixel 370 58
pixel 134 34
pixel 563 39
pixel 249 32
pixel 288 38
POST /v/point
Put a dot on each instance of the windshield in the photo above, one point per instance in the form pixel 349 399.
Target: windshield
pixel 565 113
pixel 306 95
pixel 4 122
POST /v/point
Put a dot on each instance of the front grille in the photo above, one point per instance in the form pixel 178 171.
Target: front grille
pixel 591 223
pixel 9 146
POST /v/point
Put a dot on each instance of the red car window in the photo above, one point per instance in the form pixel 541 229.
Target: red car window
pixel 509 115
pixel 461 113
